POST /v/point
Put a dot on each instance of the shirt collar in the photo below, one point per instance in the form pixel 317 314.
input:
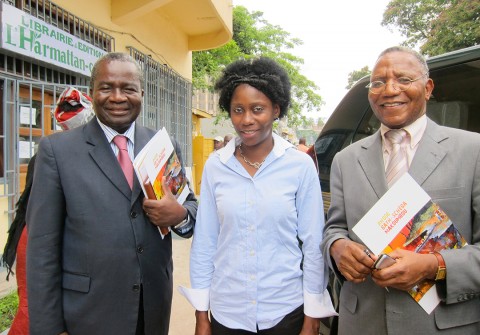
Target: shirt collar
pixel 111 133
pixel 280 145
pixel 415 130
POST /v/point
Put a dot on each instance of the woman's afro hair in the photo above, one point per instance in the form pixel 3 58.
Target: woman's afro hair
pixel 262 73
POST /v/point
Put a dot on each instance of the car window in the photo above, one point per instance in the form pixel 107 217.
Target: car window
pixel 368 126
pixel 325 149
pixel 456 100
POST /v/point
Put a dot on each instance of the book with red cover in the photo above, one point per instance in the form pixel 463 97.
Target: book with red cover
pixel 156 160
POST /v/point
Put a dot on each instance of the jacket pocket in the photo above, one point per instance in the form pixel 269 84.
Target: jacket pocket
pixel 459 314
pixel 446 193
pixel 76 282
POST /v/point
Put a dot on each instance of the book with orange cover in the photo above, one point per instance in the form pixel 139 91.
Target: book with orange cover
pixel 156 160
pixel 406 217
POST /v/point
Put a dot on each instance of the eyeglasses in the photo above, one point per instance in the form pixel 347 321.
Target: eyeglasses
pixel 399 84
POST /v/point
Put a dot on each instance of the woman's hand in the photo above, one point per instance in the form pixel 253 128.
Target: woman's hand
pixel 311 326
pixel 203 326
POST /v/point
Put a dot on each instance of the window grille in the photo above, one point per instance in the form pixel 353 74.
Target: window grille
pixel 167 102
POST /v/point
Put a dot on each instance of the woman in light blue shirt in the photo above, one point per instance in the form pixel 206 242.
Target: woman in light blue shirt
pixel 255 261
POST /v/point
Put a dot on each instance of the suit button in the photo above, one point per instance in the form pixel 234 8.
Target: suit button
pixel 136 288
pixel 133 214
pixel 140 249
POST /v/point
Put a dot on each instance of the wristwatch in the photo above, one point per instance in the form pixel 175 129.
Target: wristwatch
pixel 183 222
pixel 442 269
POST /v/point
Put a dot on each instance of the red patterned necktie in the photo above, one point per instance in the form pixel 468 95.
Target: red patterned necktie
pixel 397 164
pixel 123 158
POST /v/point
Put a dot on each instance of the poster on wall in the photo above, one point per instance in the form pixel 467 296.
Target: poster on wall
pixel 27 35
pixel 26 149
pixel 28 116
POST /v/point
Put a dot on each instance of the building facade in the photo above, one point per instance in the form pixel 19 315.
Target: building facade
pixel 46 46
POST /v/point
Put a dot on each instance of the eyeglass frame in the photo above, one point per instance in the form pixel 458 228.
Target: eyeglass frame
pixel 369 86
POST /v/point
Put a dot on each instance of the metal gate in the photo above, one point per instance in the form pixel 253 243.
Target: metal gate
pixel 28 108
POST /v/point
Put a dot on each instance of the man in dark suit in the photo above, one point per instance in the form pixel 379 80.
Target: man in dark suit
pixel 446 163
pixel 96 263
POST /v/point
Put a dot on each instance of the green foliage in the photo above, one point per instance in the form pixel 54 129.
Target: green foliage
pixel 413 18
pixel 356 75
pixel 437 26
pixel 207 65
pixel 8 308
pixel 320 122
pixel 456 27
pixel 310 135
pixel 254 36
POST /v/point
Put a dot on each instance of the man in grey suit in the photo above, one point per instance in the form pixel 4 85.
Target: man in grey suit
pixel 446 163
pixel 97 263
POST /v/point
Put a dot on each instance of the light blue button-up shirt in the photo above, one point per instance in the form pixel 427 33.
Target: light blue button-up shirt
pixel 246 256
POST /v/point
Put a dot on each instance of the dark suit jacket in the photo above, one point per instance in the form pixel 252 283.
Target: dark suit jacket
pixel 447 166
pixel 90 245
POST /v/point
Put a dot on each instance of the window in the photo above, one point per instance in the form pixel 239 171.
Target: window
pixel 167 102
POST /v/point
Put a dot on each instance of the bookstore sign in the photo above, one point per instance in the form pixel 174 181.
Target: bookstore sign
pixel 32 37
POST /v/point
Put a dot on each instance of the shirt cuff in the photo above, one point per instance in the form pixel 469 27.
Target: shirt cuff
pixel 198 298
pixel 318 305
pixel 184 222
pixel 178 226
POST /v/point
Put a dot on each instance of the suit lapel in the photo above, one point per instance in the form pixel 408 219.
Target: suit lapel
pixel 429 153
pixel 102 154
pixel 371 162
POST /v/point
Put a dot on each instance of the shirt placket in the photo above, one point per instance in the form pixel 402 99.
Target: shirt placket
pixel 251 248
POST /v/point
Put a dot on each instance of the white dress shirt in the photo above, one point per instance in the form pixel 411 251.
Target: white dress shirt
pixel 415 133
pixel 246 256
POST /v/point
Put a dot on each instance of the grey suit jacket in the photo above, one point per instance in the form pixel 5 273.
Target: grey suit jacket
pixel 447 166
pixel 90 246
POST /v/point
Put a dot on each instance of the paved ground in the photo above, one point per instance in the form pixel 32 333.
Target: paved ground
pixel 182 321
pixel 183 315
pixel 6 286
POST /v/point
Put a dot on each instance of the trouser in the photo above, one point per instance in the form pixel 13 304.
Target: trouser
pixel 140 320
pixel 291 324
